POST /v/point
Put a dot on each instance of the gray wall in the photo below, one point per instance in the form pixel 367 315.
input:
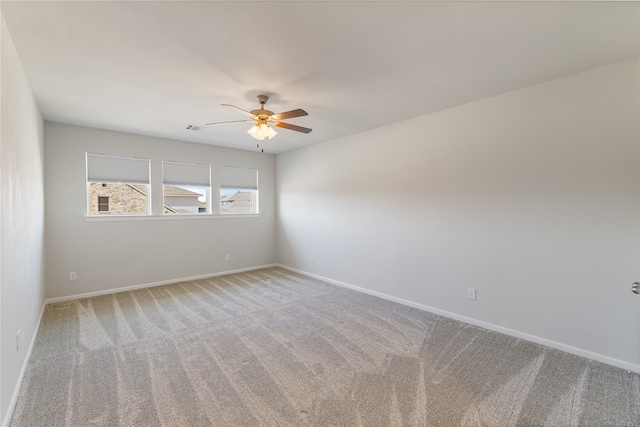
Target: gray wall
pixel 21 220
pixel 109 255
pixel 530 197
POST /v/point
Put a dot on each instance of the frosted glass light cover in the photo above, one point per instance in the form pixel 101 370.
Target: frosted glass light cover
pixel 254 131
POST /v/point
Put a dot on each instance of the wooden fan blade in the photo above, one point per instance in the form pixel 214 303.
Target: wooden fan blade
pixel 238 108
pixel 232 121
pixel 289 114
pixel 292 127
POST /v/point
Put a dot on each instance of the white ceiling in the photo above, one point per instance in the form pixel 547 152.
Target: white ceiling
pixel 152 67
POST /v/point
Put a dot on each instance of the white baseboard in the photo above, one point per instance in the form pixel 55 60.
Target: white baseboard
pixel 151 285
pixel 16 389
pixel 632 367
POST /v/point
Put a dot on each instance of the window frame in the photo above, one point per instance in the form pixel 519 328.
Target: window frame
pixel 238 179
pixel 186 174
pixel 154 209
pixel 108 169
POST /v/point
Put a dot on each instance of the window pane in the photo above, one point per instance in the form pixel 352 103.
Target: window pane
pixel 117 185
pixel 185 199
pixel 186 188
pixel 236 201
pixel 118 199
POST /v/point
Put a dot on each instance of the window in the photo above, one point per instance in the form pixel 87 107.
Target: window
pixel 103 204
pixel 187 187
pixel 238 191
pixel 117 185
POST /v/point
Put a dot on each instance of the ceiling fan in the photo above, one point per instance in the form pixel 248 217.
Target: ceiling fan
pixel 262 118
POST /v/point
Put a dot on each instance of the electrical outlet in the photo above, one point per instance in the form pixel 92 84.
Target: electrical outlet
pixel 72 275
pixel 313 259
pixel 471 293
pixel 18 341
pixel 226 257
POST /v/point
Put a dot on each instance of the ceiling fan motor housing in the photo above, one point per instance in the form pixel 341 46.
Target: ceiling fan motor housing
pixel 262 114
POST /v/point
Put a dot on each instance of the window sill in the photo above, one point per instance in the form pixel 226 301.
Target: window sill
pixel 107 218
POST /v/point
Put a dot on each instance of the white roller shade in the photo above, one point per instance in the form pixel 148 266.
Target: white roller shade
pixel 130 170
pixel 241 179
pixel 175 173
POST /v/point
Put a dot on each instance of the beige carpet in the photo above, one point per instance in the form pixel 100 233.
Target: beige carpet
pixel 274 348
